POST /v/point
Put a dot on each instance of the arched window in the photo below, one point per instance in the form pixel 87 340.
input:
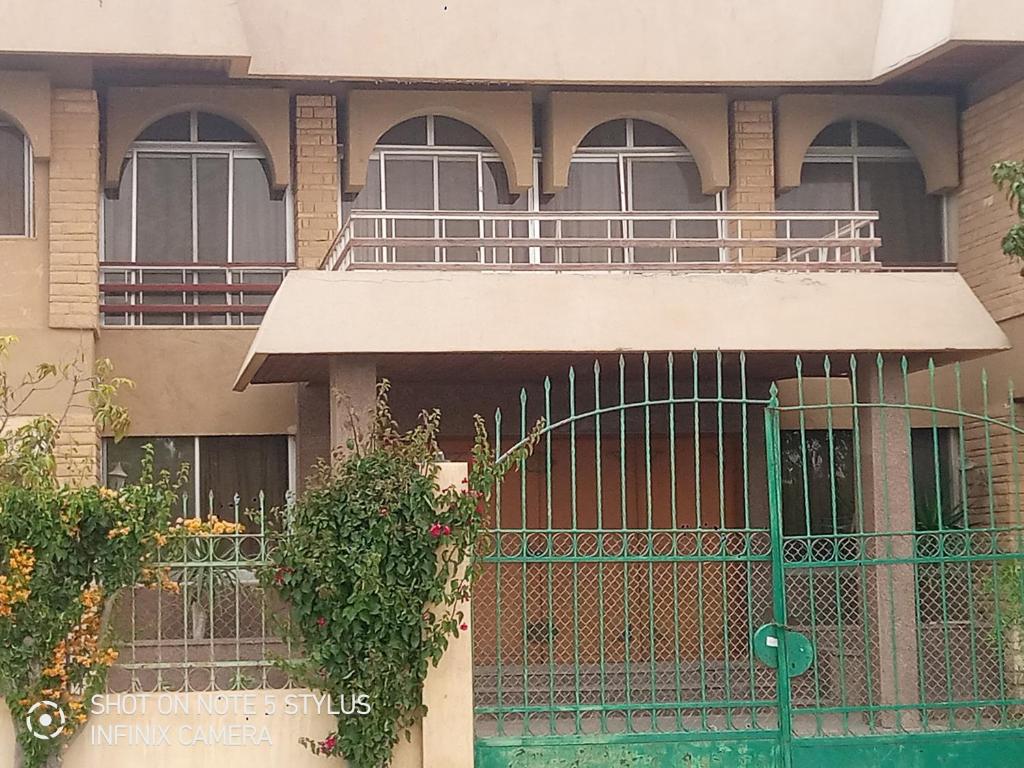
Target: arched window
pixel 434 164
pixel 635 166
pixel 442 167
pixel 15 181
pixel 861 166
pixel 194 209
pixel 194 190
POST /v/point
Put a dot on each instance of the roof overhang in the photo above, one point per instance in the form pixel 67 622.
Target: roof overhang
pixel 318 314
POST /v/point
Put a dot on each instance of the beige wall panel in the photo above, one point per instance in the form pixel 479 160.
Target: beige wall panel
pixel 183 381
pixel 284 731
pixel 263 112
pixel 505 118
pixel 25 261
pixel 926 123
pixel 586 41
pixel 380 311
pixel 700 121
pixel 25 99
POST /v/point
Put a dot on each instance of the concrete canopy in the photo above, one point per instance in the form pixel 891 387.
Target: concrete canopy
pixel 375 312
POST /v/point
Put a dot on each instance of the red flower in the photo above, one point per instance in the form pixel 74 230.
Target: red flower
pixel 463 626
pixel 328 744
pixel 321 621
pixel 436 530
pixel 447 530
pixel 280 574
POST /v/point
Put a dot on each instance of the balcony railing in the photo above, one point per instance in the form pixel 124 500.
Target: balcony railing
pixel 187 294
pixel 606 240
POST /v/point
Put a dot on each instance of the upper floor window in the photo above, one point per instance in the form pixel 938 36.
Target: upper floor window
pixel 194 191
pixel 15 181
pixel 861 166
pixel 437 164
pixel 442 167
pixel 634 166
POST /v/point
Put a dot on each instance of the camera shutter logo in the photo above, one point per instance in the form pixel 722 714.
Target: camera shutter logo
pixel 45 720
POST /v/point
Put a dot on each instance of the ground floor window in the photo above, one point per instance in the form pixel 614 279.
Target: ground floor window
pixel 219 467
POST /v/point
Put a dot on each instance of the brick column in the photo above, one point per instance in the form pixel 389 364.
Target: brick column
pixel 74 209
pixel 316 178
pixel 752 152
pixel 886 486
pixel 74 196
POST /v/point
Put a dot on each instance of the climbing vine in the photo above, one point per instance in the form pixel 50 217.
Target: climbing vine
pixel 65 552
pixel 377 570
pixel 1009 178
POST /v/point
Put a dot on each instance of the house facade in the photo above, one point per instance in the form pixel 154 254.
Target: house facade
pixel 664 229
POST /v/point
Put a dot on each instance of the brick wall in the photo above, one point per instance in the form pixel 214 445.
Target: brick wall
pixel 992 130
pixel 752 153
pixel 77 451
pixel 74 209
pixel 316 178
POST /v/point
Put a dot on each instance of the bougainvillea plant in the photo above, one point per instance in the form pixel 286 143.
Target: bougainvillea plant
pixel 1009 177
pixel 377 570
pixel 65 552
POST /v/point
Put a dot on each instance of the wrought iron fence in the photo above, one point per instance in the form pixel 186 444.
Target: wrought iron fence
pixel 213 627
pixel 677 505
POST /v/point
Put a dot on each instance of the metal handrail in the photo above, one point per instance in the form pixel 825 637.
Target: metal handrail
pixel 128 295
pixel 375 238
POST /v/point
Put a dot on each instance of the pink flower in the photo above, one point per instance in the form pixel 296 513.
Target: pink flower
pixel 447 530
pixel 463 626
pixel 328 744
pixel 320 622
pixel 436 530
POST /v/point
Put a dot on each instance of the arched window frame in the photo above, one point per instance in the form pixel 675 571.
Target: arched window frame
pixel 231 271
pixel 195 149
pixel 628 153
pixel 623 157
pixel 855 153
pixel 28 223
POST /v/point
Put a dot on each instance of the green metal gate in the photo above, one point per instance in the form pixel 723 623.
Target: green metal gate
pixel 722 561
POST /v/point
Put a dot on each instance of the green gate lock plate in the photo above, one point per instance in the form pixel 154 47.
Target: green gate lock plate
pixel 799 652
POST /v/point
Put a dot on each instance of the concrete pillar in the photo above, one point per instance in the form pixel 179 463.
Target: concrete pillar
pixel 887 492
pixel 313 429
pixel 352 397
pixel 448 689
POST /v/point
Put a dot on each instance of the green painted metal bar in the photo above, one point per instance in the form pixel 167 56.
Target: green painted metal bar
pixel 549 630
pixel 626 624
pixel 674 511
pixel 701 526
pixel 601 547
pixel 774 469
pixel 649 548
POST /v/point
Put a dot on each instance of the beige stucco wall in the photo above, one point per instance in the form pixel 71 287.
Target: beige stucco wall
pixel 183 379
pixel 25 99
pixel 263 112
pixel 380 311
pixel 589 41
